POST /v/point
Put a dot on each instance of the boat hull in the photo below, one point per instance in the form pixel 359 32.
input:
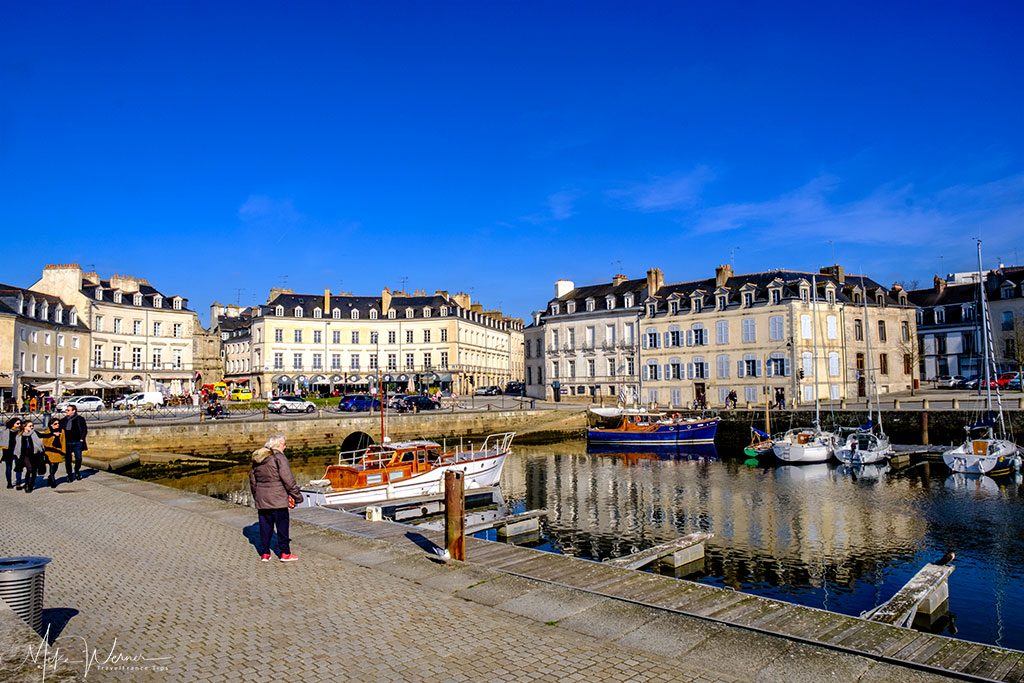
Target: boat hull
pixel 479 472
pixel 700 431
pixel 1000 458
pixel 805 447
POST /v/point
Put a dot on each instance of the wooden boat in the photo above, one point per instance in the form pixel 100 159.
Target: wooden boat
pixel 406 469
pixel 651 428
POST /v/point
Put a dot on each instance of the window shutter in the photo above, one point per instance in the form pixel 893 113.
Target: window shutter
pixel 785 369
pixel 646 374
pixel 769 370
pixel 758 370
pixel 689 370
pixel 645 341
pixel 668 372
pixel 689 337
pixel 666 340
pixel 707 370
pixel 739 368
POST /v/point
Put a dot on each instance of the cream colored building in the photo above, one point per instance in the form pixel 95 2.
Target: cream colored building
pixel 139 335
pixel 344 343
pixel 43 341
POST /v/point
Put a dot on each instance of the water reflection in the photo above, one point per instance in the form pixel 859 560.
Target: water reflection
pixel 839 538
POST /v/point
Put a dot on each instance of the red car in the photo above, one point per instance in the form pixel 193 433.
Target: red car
pixel 1009 380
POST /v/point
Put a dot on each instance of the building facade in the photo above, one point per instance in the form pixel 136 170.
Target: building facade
pixel 949 331
pixel 299 343
pixel 139 335
pixel 1006 303
pixel 43 341
pixel 752 334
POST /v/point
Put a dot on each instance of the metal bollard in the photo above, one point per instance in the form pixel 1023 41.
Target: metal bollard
pixel 21 587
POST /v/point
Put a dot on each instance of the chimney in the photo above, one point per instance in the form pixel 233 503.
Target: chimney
pixel 618 280
pixel 563 287
pixel 536 317
pixel 896 287
pixel 327 302
pixel 837 273
pixel 477 308
pixel 722 275
pixel 461 300
pixel 385 302
pixel 655 280
pixel 939 285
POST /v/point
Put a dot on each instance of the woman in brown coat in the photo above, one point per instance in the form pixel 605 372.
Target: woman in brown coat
pixel 274 490
pixel 55 447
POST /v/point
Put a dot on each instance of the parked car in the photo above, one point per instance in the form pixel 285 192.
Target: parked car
pixel 84 404
pixel 948 381
pixel 975 381
pixel 241 394
pixel 290 404
pixel 139 398
pixel 489 391
pixel 1009 380
pixel 353 403
pixel 515 388
pixel 421 403
pixel 398 403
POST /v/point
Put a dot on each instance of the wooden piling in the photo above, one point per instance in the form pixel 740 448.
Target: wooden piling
pixel 455 515
pixel 924 427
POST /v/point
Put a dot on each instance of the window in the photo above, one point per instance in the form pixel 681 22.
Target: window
pixel 427 361
pixel 748 299
pixel 830 297
pixel 73 318
pixel 673 338
pixel 572 369
pixel 832 327
pixel 157 359
pixel 805 326
pixel 696 305
pixel 700 369
pixel 611 367
pixel 881 331
pixel 74 342
pixel 318 361
pixel 176 304
pixel 883 364
pixel 317 337
pixel 675 370
pixel 353 361
pixel 392 361
pixel 97 355
pixel 700 335
pixel 833 364
pixel 723 301
pixel 652 340
pixel 158 328
pixel 609 302
pixel 392 314
pixel 652 309
pixel 858 329
pixel 807 364
pixel 570 307
pixel 554 370
pixel 627 300
pixel 336 313
pixel 374 337
pixel 136 357
pixel 297 334
pixel 906 364
pixel 426 336
pixel 805 294
pixel 572 337
pixel 722 332
pixel 355 336
pixel 408 337
pixel 279 360
pixel 46 339
pixel 117 326
pixel 749 330
pixel 444 334
pixel 750 394
pixel 776 296
pixel 335 361
pixel 355 314
pixel 777 366
pixel 373 314
pixel 298 311
pixel 940 316
pixel 317 313
pixel 673 307
pixel 410 362
pixel 905 330
pixel 278 335
pixel 444 360
pixel 24 334
pixel 176 330
pixel 336 336
pixel 297 361
pixel 409 313
pixel 630 367
pixel 940 343
pixel 723 367
pixel 74 366
pixel 1007 323
pixel 651 370
pixel 137 327
pixel 117 299
pixel 776 328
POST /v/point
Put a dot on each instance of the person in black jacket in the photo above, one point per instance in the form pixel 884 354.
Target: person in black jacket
pixel 13 426
pixel 28 447
pixel 75 431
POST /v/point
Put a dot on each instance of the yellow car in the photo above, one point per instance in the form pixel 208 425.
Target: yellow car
pixel 241 394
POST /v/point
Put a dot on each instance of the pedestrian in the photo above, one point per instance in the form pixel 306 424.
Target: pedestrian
pixel 781 399
pixel 75 432
pixel 28 448
pixel 56 449
pixel 12 427
pixel 274 490
pixel 732 398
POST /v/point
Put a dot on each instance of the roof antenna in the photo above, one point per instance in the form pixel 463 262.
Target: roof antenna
pixel 732 256
pixel 833 245
pixel 403 280
pixel 618 266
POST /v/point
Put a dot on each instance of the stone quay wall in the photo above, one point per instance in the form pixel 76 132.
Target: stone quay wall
pixel 214 437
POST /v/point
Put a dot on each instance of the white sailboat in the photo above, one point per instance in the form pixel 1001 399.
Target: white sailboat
pixel 866 446
pixel 988 449
pixel 808 444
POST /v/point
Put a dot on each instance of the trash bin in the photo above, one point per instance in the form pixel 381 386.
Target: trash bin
pixel 21 587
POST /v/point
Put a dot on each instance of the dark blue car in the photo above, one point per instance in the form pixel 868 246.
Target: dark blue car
pixel 354 403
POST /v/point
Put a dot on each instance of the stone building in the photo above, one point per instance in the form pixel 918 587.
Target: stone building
pixel 746 333
pixel 344 343
pixel 140 336
pixel 586 340
pixel 43 341
pixel 1006 305
pixel 949 335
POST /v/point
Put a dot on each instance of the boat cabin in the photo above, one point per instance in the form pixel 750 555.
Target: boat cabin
pixel 385 464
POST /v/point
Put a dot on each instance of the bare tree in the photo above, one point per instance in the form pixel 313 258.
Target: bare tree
pixel 912 351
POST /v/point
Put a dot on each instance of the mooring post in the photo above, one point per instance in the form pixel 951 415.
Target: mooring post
pixel 454 517
pixel 924 428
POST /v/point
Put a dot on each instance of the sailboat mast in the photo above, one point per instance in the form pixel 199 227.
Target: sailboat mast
pixel 867 365
pixel 984 331
pixel 814 328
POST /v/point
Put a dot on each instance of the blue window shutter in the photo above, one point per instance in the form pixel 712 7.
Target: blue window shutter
pixel 739 368
pixel 689 337
pixel 668 372
pixel 769 370
pixel 758 371
pixel 645 341
pixel 785 369
pixel 689 370
pixel 666 340
pixel 646 374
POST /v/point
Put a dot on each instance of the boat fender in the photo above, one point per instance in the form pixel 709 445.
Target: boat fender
pixel 675 417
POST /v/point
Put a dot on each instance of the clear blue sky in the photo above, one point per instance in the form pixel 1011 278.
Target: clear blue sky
pixel 496 147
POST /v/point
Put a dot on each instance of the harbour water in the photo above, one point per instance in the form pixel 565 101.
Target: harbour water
pixel 817 535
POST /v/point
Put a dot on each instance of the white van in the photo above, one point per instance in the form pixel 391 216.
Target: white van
pixel 142 398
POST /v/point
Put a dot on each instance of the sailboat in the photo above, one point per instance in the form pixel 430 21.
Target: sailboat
pixel 988 449
pixel 808 444
pixel 761 442
pixel 866 446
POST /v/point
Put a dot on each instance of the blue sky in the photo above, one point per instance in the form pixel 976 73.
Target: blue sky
pixel 221 149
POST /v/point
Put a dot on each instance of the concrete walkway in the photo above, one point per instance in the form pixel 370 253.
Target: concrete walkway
pixel 158 584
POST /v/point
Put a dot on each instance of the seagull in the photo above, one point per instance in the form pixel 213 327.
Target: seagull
pixel 947 558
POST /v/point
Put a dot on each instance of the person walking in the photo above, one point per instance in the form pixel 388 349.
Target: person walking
pixel 28 448
pixel 55 448
pixel 274 490
pixel 780 399
pixel 12 427
pixel 75 432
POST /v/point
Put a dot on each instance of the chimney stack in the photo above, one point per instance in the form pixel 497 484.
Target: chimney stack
pixel 327 302
pixel 563 287
pixel 837 272
pixel 655 281
pixel 722 275
pixel 618 280
pixel 385 302
pixel 939 284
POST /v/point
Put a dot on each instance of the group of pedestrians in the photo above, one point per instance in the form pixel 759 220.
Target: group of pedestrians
pixel 26 453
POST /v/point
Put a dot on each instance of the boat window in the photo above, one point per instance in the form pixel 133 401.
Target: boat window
pixel 408 456
pixel 421 455
pixel 396 474
pixel 374 479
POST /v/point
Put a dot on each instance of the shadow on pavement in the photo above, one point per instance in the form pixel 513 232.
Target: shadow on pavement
pixel 55 620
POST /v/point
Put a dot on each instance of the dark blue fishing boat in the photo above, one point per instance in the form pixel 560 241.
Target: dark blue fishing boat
pixel 643 428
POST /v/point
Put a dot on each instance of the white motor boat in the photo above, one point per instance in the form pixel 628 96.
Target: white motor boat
pixel 805 445
pixel 864 448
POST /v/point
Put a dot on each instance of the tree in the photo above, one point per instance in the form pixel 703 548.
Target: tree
pixel 912 350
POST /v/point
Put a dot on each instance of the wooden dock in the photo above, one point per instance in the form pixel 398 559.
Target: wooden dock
pixel 926 591
pixel 682 550
pixel 922 652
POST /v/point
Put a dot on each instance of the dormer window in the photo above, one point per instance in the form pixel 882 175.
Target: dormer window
pixel 627 300
pixel 444 311
pixel 967 311
pixel 590 305
pixel 58 314
pixel 652 309
pixel 317 313
pixel 570 307
pixel 73 317
pixel 158 301
pixel 940 315
pixel 392 314
pixel 21 304
pixel 805 294
pixel 355 314
pixel 279 310
pixel 44 310
pixel 298 311
pixel 748 299
pixel 176 303
pixel 137 300
pixel 673 307
pixel 723 302
pixel 1007 291
pixel 609 302
pixel 426 312
pixel 830 296
pixel 554 309
pixel 117 297
pixel 373 314
pixel 776 295
pixel 880 299
pixel 903 298
pixel 696 304
pixel 409 313
pixel 856 297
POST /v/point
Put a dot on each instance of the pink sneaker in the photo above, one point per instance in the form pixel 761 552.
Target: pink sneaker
pixel 265 558
pixel 288 557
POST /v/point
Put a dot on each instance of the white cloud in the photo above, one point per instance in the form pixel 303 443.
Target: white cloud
pixel 263 212
pixel 560 206
pixel 667 193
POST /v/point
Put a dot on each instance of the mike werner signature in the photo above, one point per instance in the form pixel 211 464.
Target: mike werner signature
pixel 52 659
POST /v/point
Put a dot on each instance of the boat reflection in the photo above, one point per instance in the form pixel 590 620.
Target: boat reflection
pixel 813 472
pixel 872 472
pixel 700 452
pixel 974 484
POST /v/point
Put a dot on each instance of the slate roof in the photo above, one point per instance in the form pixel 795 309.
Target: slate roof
pixel 9 306
pixel 950 295
pixel 790 281
pixel 600 295
pixel 364 304
pixel 148 292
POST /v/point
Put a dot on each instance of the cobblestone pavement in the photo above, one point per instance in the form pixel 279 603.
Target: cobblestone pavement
pixel 186 591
